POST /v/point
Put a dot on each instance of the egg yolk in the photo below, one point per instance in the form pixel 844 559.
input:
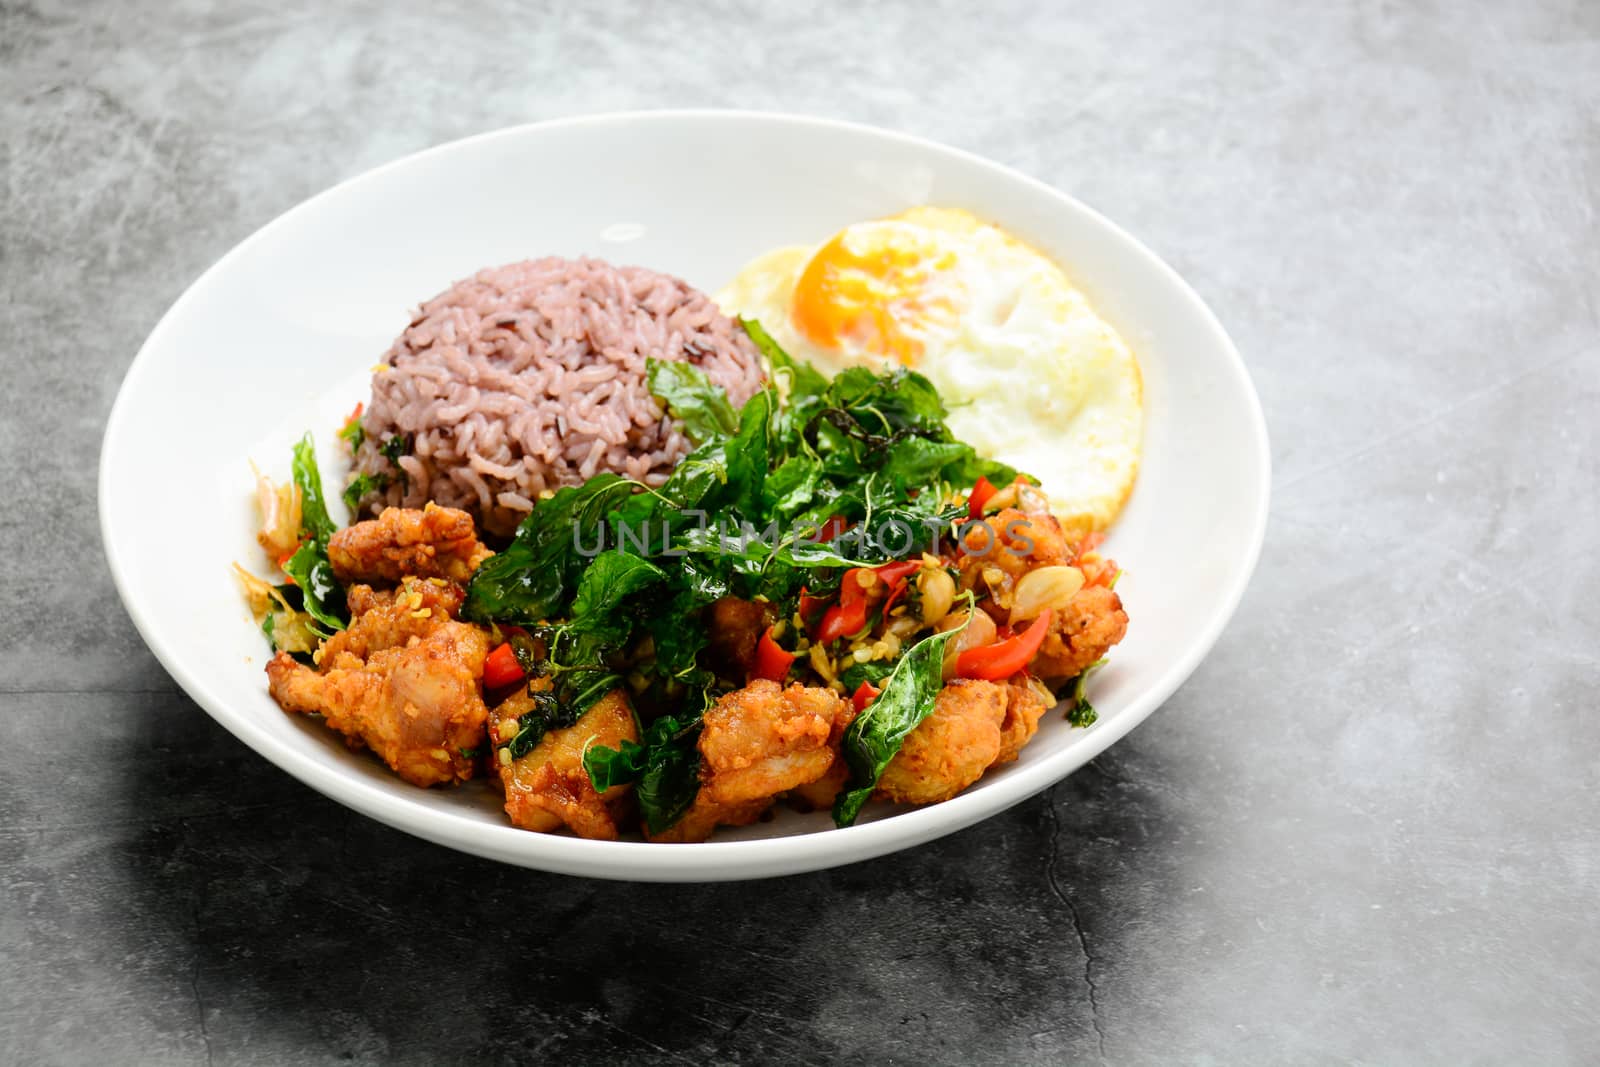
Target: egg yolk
pixel 875 289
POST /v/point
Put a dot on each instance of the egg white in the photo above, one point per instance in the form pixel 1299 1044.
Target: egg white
pixel 1031 374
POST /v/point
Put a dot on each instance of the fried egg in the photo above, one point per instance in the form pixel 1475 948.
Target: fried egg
pixel 1031 374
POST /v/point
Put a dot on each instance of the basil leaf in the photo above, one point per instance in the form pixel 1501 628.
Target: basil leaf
pixel 611 578
pixel 697 476
pixel 547 714
pixel 581 690
pixel 747 456
pixel 665 768
pixel 580 677
pixel 559 707
pixel 873 672
pixel 679 633
pixel 393 447
pixel 804 379
pixel 1080 712
pixel 608 767
pixel 793 485
pixel 314 520
pixel 309 567
pixel 692 399
pixel 321 592
pixel 532 580
pixel 360 486
pixel 965 471
pixel 875 737
pixel 669 784
pixel 919 461
pixel 728 474
pixel 352 434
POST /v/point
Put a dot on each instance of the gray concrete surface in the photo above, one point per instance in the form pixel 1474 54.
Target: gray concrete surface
pixel 1365 831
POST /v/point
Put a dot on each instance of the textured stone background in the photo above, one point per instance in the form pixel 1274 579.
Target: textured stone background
pixel 1365 830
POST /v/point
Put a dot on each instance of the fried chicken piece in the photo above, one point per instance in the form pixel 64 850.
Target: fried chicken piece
pixel 951 748
pixel 1017 541
pixel 820 794
pixel 548 787
pixel 384 618
pixel 404 680
pixel 758 742
pixel 705 816
pixel 432 543
pixel 1025 706
pixel 763 739
pixel 1080 634
pixel 1012 543
pixel 736 627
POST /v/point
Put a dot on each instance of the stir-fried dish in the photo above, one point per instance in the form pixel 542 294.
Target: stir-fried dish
pixel 829 600
pixel 826 600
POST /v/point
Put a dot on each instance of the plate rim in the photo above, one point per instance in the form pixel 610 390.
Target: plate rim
pixel 712 860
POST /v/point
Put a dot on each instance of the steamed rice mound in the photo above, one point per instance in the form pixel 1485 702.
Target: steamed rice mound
pixel 531 376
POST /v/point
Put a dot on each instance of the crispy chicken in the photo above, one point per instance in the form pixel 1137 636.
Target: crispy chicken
pixel 1080 634
pixel 404 679
pixel 548 787
pixel 951 748
pixel 705 816
pixel 758 742
pixel 434 542
pixel 995 556
pixel 821 793
pixel 1025 706
pixel 763 739
pixel 1015 542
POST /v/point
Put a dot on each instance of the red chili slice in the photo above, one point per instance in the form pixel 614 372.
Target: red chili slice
pixel 894 572
pixel 836 525
pixel 811 607
pixel 842 620
pixel 849 615
pixel 979 497
pixel 501 668
pixel 772 662
pixel 1005 658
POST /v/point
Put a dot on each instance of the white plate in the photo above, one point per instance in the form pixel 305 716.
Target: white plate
pixel 278 336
